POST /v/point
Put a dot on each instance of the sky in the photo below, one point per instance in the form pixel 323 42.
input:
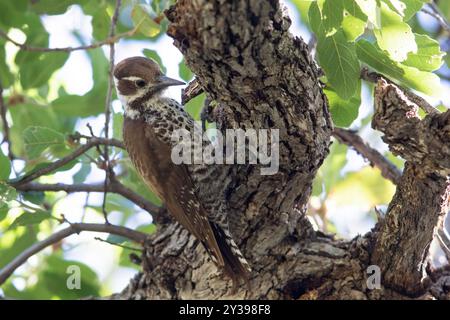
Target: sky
pixel 103 257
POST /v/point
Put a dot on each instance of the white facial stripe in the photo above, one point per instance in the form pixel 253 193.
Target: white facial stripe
pixel 132 78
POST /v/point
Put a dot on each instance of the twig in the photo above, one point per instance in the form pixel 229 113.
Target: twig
pixel 418 100
pixel 114 187
pixel 108 170
pixel 118 244
pixel 63 161
pixel 387 168
pixel 437 14
pixel 73 228
pixel 107 41
pixel 5 123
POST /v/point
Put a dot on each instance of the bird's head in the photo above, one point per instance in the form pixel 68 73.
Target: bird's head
pixel 139 78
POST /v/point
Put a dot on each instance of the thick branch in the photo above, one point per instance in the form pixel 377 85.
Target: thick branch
pixel 387 168
pixel 131 234
pixel 418 100
pixel 423 192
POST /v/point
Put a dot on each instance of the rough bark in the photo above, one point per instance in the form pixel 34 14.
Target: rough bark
pixel 422 195
pixel 262 77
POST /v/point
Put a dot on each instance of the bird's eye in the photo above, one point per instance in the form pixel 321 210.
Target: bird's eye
pixel 140 83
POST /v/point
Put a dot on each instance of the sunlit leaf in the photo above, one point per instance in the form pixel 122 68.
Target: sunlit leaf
pixel 142 18
pixel 343 111
pixel 428 56
pixel 366 185
pixel 185 73
pixel 22 241
pixel 354 22
pixel 7 193
pixel 371 10
pixel 394 35
pixel 426 82
pixel 338 59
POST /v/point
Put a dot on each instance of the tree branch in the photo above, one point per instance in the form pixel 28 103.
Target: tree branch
pixel 374 77
pixel 131 234
pixel 107 41
pixel 92 142
pixel 437 14
pixel 423 192
pixel 109 173
pixel 114 187
pixel 387 168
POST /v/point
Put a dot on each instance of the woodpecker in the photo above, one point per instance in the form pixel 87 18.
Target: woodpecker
pixel 150 118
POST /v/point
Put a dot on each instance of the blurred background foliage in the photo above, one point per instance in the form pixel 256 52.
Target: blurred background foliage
pixel 52 95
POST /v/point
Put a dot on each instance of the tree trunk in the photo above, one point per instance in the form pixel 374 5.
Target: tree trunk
pixel 262 77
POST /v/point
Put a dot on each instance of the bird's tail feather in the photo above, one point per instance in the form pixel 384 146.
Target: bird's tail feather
pixel 235 265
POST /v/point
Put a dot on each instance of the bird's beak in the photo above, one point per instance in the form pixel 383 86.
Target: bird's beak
pixel 164 81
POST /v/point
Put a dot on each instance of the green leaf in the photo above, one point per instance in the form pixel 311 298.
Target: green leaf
pixel 54 276
pixel 338 59
pixel 394 35
pixel 30 218
pixel 36 197
pixel 7 193
pixel 303 8
pixel 81 175
pixel 5 166
pixel 141 15
pixel 6 77
pixel 366 185
pixel 194 106
pixel 343 111
pixel 22 242
pixel 3 212
pixel 315 20
pixel 371 10
pixel 428 56
pixel 426 82
pixel 38 139
pixel 12 13
pixel 332 15
pixel 100 24
pixel 147 228
pixel 354 22
pixel 330 171
pixel 52 7
pixel 184 72
pixel 405 8
pixel 152 54
pixel 117 125
pixel 36 72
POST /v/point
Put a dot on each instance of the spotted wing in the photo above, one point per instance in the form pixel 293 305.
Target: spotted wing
pixel 180 196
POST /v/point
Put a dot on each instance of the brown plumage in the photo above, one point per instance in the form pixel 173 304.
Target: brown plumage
pixel 149 122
